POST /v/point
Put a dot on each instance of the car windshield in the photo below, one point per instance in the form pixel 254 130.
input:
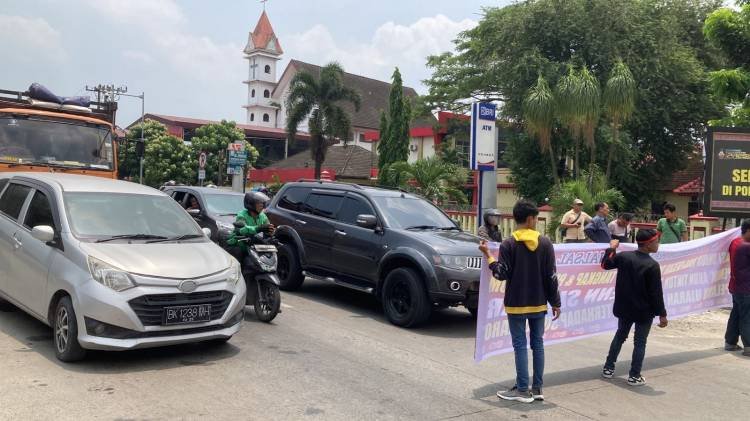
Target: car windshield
pixel 408 212
pixel 50 142
pixel 103 215
pixel 224 204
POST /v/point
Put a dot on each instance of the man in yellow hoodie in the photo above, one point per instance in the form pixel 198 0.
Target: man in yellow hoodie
pixel 527 263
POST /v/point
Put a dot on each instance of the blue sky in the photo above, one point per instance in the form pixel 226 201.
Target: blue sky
pixel 187 54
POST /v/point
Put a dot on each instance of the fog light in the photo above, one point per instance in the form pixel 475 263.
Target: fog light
pixel 455 286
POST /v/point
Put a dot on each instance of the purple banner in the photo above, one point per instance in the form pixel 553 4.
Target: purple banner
pixel 695 275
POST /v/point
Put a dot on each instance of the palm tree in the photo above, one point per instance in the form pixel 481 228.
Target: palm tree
pixel 432 178
pixel 539 112
pixel 567 101
pixel 320 99
pixel 619 103
pixel 589 96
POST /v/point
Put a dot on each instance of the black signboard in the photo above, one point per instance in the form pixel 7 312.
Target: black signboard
pixel 727 181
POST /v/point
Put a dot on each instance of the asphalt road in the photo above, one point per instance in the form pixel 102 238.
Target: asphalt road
pixel 331 355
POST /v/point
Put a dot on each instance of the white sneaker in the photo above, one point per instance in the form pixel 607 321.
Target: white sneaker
pixel 607 373
pixel 636 381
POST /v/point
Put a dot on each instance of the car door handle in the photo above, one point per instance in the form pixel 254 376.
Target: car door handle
pixel 18 244
pixel 301 222
pixel 339 232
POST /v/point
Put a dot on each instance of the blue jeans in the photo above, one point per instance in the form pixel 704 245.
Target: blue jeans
pixel 640 337
pixel 517 324
pixel 739 321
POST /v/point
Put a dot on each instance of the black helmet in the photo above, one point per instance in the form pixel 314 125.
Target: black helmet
pixel 252 198
pixel 488 213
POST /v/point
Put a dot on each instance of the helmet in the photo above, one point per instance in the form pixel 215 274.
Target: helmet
pixel 252 198
pixel 490 213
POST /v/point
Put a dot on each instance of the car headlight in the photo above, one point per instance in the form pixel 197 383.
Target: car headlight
pixel 453 262
pixel 109 276
pixel 223 226
pixel 234 272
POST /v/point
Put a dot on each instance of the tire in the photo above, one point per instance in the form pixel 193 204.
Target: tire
pixel 405 300
pixel 269 308
pixel 289 268
pixel 65 332
pixel 6 307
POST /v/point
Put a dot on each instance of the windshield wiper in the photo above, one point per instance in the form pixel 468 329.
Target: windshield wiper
pixel 451 229
pixel 178 238
pixel 132 237
pixel 422 227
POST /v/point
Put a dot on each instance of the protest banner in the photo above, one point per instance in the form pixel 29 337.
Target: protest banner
pixel 695 275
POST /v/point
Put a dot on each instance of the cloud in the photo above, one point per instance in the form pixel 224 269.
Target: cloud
pixel 28 40
pixel 141 13
pixel 391 45
pixel 140 56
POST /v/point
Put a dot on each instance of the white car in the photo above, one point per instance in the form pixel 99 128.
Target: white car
pixel 112 265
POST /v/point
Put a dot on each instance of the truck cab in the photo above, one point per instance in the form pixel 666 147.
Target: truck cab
pixel 50 137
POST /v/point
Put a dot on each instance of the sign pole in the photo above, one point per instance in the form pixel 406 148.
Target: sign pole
pixel 484 156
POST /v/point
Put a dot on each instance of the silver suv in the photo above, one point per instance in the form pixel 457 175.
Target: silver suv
pixel 112 265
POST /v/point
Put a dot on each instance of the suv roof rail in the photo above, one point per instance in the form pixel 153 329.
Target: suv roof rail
pixel 313 180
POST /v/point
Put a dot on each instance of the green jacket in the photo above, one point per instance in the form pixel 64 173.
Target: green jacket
pixel 250 228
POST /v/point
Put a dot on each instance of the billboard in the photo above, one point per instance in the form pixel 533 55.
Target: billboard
pixel 727 180
pixel 483 137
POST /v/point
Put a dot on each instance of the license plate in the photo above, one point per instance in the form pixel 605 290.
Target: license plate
pixel 187 314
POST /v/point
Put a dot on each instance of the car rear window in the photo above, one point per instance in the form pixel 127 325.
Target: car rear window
pixel 293 199
pixel 12 200
pixel 324 205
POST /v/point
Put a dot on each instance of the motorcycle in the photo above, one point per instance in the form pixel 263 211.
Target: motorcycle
pixel 259 270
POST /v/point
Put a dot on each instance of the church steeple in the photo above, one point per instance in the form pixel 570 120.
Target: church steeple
pixel 263 37
pixel 262 52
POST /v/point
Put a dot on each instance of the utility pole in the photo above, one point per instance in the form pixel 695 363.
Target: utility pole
pixel 113 94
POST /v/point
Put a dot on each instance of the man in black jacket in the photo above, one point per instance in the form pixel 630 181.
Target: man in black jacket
pixel 638 299
pixel 527 264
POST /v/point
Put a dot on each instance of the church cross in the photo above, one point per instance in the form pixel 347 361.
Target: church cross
pixel 254 66
pixel 264 4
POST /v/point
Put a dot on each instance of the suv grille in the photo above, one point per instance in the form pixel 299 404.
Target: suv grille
pixel 474 263
pixel 150 308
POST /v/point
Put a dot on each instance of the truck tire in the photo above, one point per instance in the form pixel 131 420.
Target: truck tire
pixel 289 268
pixel 65 332
pixel 405 300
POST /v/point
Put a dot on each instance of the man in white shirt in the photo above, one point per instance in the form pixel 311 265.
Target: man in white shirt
pixel 573 222
pixel 620 227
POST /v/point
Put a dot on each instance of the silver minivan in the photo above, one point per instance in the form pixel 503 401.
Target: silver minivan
pixel 112 265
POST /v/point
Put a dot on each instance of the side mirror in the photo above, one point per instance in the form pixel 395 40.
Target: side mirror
pixel 367 221
pixel 43 233
pixel 195 213
pixel 207 232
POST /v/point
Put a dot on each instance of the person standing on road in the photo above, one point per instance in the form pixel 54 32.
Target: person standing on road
pixel 490 230
pixel 573 222
pixel 527 263
pixel 738 324
pixel 598 230
pixel 638 299
pixel 620 228
pixel 672 228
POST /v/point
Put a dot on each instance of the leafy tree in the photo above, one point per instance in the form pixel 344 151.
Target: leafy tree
pixel 319 99
pixel 660 42
pixel 213 139
pixel 394 140
pixel 431 178
pixel 619 104
pixel 529 172
pixel 128 162
pixel 729 30
pixel 539 112
pixel 169 158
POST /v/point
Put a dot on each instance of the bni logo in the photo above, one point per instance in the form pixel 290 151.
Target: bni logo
pixel 487 111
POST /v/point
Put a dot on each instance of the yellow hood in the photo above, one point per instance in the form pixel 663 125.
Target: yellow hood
pixel 529 237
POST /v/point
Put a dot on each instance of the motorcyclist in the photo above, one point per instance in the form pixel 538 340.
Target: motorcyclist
pixel 490 229
pixel 253 217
